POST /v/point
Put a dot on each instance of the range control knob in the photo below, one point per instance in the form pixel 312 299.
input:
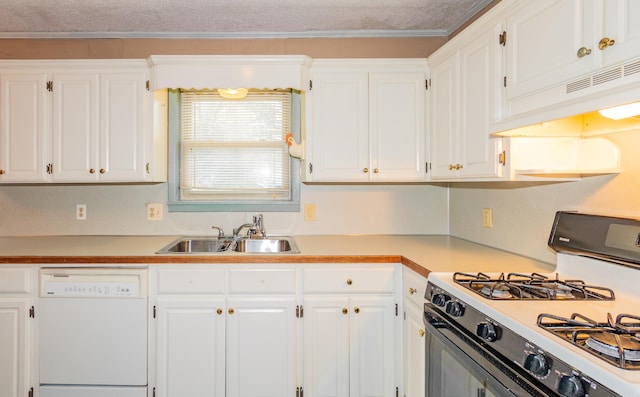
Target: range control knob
pixel 537 364
pixel 440 299
pixel 571 386
pixel 488 331
pixel 455 309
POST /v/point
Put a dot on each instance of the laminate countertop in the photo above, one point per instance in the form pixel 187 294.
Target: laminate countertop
pixel 422 253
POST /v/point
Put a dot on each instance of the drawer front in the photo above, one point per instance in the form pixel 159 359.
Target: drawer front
pixel 15 281
pixel 190 281
pixel 414 287
pixel 350 280
pixel 249 281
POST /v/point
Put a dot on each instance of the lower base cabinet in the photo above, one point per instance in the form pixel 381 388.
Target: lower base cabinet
pixel 414 287
pixel 15 331
pixel 275 330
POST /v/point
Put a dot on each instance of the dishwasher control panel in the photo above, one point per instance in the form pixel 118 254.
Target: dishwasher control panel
pixel 92 283
pixel 90 289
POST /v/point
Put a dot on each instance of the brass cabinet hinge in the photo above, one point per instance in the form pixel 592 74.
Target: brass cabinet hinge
pixel 50 168
pixel 310 85
pixel 503 38
pixel 397 391
pixel 396 310
pixel 299 392
pixel 50 86
pixel 502 158
pixel 426 84
pixel 154 392
pixel 299 311
pixel 148 85
pixel 504 81
pixel 148 168
pixel 30 394
pixel 155 311
pixel 310 168
pixel 32 312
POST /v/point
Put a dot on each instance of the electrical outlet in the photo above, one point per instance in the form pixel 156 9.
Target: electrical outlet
pixel 81 212
pixel 309 212
pixel 154 211
pixel 487 218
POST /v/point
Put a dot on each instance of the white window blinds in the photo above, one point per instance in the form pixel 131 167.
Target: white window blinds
pixel 235 149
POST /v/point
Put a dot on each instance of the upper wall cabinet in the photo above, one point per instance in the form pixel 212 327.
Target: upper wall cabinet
pixel 465 93
pixel 77 122
pixel 566 57
pixel 366 121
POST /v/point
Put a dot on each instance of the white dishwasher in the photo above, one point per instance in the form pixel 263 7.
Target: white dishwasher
pixel 92 326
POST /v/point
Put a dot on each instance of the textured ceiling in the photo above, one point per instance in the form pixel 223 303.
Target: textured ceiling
pixel 234 18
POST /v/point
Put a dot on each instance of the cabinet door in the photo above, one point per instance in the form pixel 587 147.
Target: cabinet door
pixel 23 120
pixel 372 340
pixel 480 94
pixel 397 126
pixel 621 24
pixel 75 127
pixel 190 347
pixel 543 38
pixel 14 368
pixel 123 98
pixel 444 117
pixel 326 346
pixel 414 351
pixel 261 346
pixel 339 126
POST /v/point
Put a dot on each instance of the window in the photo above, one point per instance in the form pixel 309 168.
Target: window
pixel 231 154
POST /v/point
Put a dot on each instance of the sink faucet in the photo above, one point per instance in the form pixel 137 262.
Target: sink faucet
pixel 255 229
pixel 220 231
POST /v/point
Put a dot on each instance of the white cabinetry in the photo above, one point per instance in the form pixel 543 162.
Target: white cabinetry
pixel 76 122
pixel 582 49
pixel 15 331
pixel 225 331
pixel 366 121
pixel 352 332
pixel 414 287
pixel 465 93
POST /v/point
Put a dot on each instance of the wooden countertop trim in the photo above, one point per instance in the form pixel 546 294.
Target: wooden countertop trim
pixel 213 259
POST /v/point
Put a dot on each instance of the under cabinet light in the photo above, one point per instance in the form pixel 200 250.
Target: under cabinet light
pixel 233 93
pixel 621 112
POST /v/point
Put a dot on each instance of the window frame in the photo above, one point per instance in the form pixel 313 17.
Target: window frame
pixel 176 204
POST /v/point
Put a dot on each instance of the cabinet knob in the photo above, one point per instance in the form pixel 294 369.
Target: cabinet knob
pixel 375 171
pixel 583 51
pixel 412 291
pixel 102 171
pixel 605 42
pixel 349 281
pixel 451 166
pixel 1 172
pixel 357 310
pixel 231 311
pixel 366 170
pixel 458 166
pixel 92 171
pixel 421 332
pixel 219 311
pixel 345 310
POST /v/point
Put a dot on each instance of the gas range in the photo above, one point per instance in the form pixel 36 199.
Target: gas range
pixel 571 333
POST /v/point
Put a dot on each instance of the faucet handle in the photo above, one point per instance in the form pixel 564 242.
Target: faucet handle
pixel 220 231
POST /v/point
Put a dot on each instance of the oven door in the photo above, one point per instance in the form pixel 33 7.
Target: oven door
pixel 458 365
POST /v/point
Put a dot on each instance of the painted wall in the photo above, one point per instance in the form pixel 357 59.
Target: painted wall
pixel 121 210
pixel 523 212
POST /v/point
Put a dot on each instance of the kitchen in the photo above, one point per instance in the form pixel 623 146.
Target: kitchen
pixel 522 211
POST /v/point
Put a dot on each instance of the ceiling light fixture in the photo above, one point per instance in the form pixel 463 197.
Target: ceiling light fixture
pixel 233 93
pixel 621 112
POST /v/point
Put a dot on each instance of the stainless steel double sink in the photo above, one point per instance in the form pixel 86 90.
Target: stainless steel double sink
pixel 219 245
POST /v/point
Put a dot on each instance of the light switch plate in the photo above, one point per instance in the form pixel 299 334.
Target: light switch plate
pixel 309 212
pixel 487 218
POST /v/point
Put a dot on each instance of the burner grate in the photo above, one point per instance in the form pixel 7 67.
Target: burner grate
pixel 615 342
pixel 535 286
